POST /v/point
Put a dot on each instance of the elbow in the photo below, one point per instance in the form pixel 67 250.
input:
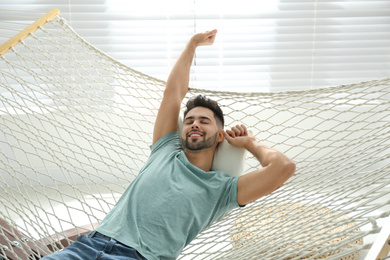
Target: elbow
pixel 284 166
pixel 288 169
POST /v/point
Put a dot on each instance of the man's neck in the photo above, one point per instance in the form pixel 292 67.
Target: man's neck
pixel 201 159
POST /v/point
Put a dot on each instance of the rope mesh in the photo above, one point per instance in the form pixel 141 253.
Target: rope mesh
pixel 75 129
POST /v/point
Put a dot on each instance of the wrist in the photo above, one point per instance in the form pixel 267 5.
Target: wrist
pixel 257 149
pixel 252 145
pixel 193 42
pixel 198 40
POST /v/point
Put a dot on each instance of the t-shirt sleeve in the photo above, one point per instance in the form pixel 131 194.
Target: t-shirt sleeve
pixel 170 141
pixel 228 198
pixel 166 145
pixel 231 192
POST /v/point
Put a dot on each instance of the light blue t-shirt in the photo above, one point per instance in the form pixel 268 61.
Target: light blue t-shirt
pixel 169 203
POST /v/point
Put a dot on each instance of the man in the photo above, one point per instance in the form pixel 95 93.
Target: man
pixel 177 194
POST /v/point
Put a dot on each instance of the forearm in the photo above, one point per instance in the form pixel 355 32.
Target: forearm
pixel 270 157
pixel 179 77
pixel 177 83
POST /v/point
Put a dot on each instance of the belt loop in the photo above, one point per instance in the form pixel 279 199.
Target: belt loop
pixel 92 234
pixel 110 245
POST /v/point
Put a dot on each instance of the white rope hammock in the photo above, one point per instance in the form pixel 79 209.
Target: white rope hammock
pixel 76 125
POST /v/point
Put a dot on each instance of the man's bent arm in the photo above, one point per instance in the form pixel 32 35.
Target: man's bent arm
pixel 177 86
pixel 277 168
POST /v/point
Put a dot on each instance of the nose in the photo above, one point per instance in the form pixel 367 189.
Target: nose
pixel 195 125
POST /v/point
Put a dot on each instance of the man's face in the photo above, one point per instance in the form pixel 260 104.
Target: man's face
pixel 200 129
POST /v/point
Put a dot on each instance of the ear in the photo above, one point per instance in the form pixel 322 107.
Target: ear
pixel 221 136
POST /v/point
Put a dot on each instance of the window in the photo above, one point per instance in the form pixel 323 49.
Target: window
pixel 271 45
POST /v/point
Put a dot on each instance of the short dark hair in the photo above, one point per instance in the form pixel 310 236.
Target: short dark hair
pixel 203 101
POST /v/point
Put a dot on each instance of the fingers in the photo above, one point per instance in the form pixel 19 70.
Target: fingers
pixel 209 37
pixel 206 38
pixel 212 36
pixel 230 133
pixel 238 130
pixel 212 32
pixel 227 135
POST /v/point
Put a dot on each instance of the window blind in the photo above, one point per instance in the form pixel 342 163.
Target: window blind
pixel 271 45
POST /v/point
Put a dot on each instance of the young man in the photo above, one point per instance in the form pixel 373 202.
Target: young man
pixel 177 194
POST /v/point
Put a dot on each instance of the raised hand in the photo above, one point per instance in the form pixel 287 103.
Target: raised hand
pixel 239 136
pixel 205 38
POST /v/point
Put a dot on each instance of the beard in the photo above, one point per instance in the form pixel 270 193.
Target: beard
pixel 197 145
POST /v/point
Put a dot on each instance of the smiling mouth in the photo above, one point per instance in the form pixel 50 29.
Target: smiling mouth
pixel 195 135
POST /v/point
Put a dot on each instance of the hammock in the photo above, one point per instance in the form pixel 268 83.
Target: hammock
pixel 76 125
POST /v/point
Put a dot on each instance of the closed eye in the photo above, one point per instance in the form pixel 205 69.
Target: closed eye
pixel 203 120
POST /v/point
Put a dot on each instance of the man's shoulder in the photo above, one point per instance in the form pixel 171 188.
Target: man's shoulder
pixel 171 139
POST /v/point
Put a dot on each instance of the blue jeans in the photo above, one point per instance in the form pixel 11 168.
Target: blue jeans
pixel 96 246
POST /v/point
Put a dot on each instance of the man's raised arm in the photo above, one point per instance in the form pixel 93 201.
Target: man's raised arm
pixel 177 86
